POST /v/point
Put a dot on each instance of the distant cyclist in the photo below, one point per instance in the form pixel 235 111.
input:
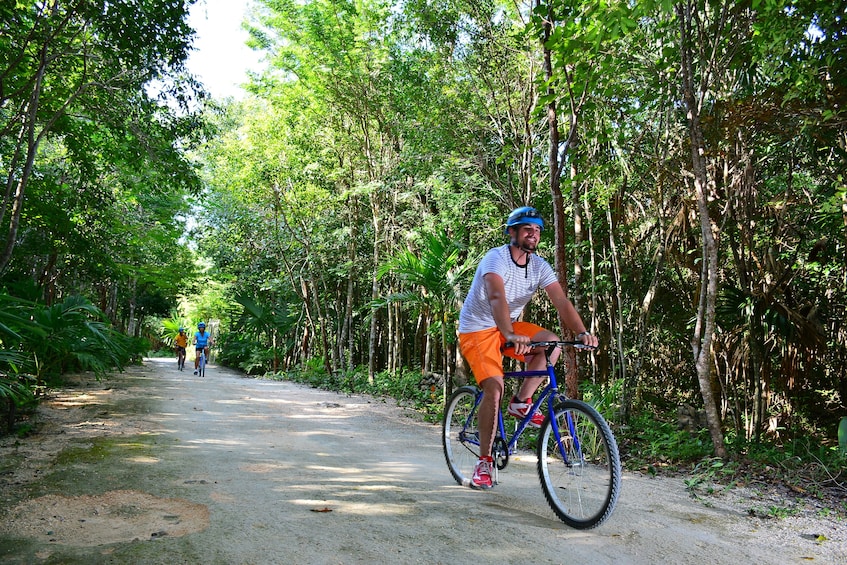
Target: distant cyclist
pixel 181 342
pixel 201 345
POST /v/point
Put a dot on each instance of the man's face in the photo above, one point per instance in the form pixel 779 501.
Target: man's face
pixel 527 236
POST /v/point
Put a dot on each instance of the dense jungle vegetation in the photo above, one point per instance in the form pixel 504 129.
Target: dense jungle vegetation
pixel 689 158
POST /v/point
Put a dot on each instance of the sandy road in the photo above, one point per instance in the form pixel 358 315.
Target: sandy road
pixel 233 470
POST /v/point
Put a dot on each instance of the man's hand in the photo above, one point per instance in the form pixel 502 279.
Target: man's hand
pixel 519 342
pixel 588 339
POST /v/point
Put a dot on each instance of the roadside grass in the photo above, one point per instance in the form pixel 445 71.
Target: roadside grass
pixel 800 468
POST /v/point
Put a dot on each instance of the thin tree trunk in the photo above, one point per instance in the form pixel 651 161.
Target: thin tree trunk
pixel 555 157
pixel 32 142
pixel 374 288
pixel 701 342
pixel 619 323
pixel 30 125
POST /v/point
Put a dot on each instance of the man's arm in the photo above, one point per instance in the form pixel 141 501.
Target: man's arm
pixel 568 314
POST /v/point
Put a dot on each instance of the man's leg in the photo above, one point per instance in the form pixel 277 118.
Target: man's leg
pixel 487 417
pixel 485 471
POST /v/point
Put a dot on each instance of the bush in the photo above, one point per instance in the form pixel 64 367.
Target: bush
pixel 39 343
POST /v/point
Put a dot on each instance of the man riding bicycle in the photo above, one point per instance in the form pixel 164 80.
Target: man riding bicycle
pixel 201 345
pixel 181 342
pixel 505 281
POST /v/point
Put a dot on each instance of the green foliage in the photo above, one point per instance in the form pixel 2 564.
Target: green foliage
pixel 431 279
pixel 170 328
pixel 649 442
pixel 245 353
pixel 99 162
pixel 70 335
pixel 604 397
pixel 39 343
pixel 74 336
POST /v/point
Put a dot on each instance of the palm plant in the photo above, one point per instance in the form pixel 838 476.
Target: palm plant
pixel 15 378
pixel 431 279
pixel 266 322
pixel 76 335
pixel 170 327
pixel 760 330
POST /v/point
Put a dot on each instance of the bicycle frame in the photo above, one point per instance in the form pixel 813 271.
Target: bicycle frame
pixel 578 461
pixel 549 394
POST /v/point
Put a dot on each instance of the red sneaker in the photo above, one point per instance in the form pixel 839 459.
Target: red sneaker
pixel 519 409
pixel 482 473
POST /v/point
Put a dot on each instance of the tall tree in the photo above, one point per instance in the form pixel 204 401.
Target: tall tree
pixel 90 58
pixel 694 96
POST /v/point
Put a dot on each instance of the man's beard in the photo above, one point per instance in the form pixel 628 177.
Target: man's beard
pixel 528 247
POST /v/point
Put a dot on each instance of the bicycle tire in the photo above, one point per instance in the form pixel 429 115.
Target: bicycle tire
pixel 582 488
pixel 202 364
pixel 460 436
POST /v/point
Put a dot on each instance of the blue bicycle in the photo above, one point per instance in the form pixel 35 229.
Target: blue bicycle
pixel 201 364
pixel 578 461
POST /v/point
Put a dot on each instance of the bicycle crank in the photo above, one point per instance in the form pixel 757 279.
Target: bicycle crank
pixel 500 453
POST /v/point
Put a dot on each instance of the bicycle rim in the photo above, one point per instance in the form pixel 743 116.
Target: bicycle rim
pixel 581 478
pixel 460 435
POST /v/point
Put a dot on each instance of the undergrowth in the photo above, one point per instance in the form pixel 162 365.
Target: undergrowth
pixel 802 467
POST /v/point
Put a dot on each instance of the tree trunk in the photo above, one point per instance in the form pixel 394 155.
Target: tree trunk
pixel 374 288
pixel 617 330
pixel 32 141
pixel 701 341
pixel 555 157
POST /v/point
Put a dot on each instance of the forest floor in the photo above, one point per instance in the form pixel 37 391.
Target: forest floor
pixel 158 466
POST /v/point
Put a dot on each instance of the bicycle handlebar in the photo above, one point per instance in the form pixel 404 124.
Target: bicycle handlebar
pixel 534 344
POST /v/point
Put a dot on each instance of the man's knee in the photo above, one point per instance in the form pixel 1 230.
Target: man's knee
pixel 493 387
pixel 545 335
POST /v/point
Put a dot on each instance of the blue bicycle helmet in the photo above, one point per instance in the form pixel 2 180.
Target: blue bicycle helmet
pixel 181 329
pixel 201 325
pixel 524 215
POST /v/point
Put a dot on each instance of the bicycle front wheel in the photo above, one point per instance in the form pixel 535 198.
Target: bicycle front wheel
pixel 580 471
pixel 460 435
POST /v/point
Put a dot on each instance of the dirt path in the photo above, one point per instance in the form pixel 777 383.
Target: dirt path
pixel 158 466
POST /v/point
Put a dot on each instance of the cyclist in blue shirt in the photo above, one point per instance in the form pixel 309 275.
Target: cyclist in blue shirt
pixel 201 344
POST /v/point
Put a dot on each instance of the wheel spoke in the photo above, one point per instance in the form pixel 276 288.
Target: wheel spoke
pixel 580 471
pixel 460 436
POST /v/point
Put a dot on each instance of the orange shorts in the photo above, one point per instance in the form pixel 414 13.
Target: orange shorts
pixel 482 349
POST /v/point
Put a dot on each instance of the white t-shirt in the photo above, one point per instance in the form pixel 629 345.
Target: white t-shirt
pixel 520 282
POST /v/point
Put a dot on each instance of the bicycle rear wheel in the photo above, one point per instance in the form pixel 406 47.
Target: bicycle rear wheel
pixel 460 435
pixel 581 476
